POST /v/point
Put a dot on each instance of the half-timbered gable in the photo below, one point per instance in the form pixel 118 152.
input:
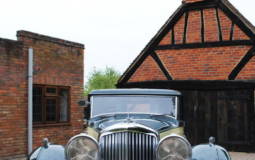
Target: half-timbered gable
pixel 195 41
pixel 206 50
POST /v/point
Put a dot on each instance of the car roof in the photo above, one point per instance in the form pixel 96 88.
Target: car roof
pixel 135 92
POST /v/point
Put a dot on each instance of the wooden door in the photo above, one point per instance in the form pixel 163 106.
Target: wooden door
pixel 199 114
pixel 234 110
pixel 226 115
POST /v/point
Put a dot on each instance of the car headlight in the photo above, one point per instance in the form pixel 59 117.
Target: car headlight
pixel 174 147
pixel 82 147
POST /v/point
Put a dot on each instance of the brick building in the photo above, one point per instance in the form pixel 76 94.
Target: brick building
pixel 205 50
pixel 57 86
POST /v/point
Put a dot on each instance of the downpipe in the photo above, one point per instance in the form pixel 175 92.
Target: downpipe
pixel 30 101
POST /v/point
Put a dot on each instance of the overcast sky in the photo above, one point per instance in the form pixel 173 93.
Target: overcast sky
pixel 113 31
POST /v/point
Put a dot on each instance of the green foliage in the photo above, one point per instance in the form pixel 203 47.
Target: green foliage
pixel 102 79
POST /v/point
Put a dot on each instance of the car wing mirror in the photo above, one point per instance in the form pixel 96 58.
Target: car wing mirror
pixel 84 103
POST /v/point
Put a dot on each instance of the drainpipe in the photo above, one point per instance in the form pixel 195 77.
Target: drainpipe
pixel 30 100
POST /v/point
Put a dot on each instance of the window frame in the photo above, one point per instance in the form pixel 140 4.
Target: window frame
pixel 50 94
pixel 176 112
pixel 46 96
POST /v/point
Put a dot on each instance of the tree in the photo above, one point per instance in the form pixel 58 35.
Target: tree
pixel 102 79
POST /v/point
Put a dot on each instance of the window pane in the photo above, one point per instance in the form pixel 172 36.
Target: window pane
pixel 51 109
pixel 37 104
pixel 143 104
pixel 63 105
pixel 51 90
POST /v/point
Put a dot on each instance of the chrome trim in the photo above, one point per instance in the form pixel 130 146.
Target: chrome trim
pixel 79 136
pixel 134 113
pixel 174 135
pixel 91 106
pixel 129 126
pixel 177 106
pixel 131 131
pixel 128 145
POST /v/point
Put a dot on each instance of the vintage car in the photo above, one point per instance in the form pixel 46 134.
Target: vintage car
pixel 132 124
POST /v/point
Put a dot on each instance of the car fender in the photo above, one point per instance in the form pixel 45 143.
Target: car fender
pixel 209 152
pixel 48 152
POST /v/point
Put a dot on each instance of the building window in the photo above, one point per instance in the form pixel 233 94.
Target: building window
pixel 51 104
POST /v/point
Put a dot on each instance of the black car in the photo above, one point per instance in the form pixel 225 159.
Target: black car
pixel 132 124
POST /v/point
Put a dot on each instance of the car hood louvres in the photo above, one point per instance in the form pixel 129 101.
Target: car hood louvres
pixel 128 146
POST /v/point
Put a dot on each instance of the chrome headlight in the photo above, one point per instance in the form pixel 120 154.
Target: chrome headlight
pixel 82 147
pixel 174 147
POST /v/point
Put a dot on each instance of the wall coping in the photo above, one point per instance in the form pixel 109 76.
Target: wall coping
pixel 32 35
pixel 4 41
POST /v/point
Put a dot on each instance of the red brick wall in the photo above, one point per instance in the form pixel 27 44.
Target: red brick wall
pixel 178 30
pixel 248 72
pixel 239 34
pixel 193 34
pixel 211 26
pixel 56 62
pixel 13 102
pixel 194 27
pixel 149 70
pixel 167 39
pixel 202 64
pixel 226 24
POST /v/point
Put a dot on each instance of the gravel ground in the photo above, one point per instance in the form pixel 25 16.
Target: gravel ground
pixel 242 156
pixel 234 156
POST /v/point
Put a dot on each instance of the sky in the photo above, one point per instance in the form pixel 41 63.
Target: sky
pixel 113 31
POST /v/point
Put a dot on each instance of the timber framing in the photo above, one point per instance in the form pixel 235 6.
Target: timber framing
pixel 161 65
pixel 232 31
pixel 237 18
pixel 192 84
pixel 185 27
pixel 152 44
pixel 173 36
pixel 202 26
pixel 201 5
pixel 241 64
pixel 226 7
pixel 219 25
pixel 206 45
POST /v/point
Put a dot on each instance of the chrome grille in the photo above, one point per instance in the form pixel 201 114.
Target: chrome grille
pixel 128 146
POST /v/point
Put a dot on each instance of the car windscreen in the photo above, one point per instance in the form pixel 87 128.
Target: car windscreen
pixel 135 104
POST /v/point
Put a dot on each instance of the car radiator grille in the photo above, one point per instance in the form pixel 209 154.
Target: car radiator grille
pixel 128 146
